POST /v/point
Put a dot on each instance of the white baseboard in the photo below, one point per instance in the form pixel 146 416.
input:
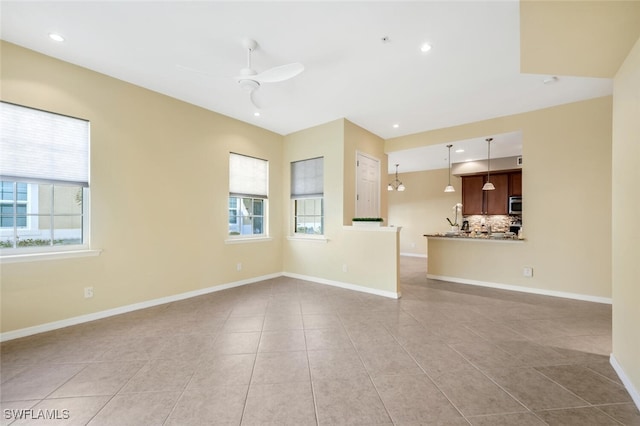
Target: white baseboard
pixel 347 286
pixel 576 296
pixel 635 394
pixel 23 332
pixel 423 256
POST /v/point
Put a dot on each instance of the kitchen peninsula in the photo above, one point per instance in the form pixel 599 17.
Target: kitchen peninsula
pixel 481 260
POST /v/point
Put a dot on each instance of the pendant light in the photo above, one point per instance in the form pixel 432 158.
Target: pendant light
pixel 488 186
pixel 449 187
pixel 396 184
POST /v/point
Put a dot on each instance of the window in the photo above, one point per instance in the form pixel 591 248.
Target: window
pixel 307 193
pixel 44 174
pixel 13 205
pixel 248 191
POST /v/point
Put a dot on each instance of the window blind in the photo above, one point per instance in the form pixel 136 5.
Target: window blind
pixel 307 178
pixel 248 176
pixel 42 146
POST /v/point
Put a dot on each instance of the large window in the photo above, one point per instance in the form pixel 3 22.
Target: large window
pixel 307 194
pixel 44 180
pixel 248 194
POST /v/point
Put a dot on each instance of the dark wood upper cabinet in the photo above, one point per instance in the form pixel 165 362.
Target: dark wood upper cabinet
pixel 515 184
pixel 497 201
pixel 477 201
pixel 472 197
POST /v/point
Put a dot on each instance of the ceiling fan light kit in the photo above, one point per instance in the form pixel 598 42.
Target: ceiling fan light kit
pixel 250 80
pixel 250 85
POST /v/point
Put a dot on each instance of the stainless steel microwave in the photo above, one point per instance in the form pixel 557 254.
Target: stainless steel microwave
pixel 515 205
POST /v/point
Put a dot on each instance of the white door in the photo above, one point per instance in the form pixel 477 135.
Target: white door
pixel 367 186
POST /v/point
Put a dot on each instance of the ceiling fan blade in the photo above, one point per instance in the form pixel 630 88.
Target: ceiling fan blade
pixel 255 99
pixel 281 73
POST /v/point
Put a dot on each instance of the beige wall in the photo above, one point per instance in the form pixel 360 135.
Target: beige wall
pixel 423 208
pixel 350 256
pixel 357 139
pixel 567 158
pixel 578 38
pixel 626 205
pixel 159 185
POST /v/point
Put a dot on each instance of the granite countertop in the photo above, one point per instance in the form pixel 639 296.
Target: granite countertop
pixel 478 237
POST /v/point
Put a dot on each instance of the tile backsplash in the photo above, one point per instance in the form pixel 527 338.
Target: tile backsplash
pixel 499 223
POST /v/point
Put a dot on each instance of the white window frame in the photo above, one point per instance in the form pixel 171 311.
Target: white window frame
pixel 305 193
pixel 247 193
pixel 295 216
pixel 32 228
pixel 265 204
pixel 22 254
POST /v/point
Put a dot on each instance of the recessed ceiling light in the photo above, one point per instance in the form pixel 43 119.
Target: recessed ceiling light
pixel 256 114
pixel 459 150
pixel 425 47
pixel 550 80
pixel 395 126
pixel 56 37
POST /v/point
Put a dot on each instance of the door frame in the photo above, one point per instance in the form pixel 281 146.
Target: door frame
pixel 379 177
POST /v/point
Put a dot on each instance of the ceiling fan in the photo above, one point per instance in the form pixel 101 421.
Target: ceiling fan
pixel 250 80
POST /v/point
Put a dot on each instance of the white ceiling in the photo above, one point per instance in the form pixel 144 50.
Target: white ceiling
pixel 432 157
pixel 470 74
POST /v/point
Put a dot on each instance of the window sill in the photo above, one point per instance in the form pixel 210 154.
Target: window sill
pixel 247 240
pixel 314 238
pixel 42 256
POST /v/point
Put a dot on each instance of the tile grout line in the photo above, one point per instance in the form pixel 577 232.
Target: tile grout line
pixel 313 391
pixel 116 393
pixel 186 386
pixel 426 373
pixel 529 410
pixel 255 360
pixel 365 369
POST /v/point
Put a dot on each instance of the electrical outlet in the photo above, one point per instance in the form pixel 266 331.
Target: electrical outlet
pixel 345 268
pixel 88 292
pixel 239 266
pixel 527 271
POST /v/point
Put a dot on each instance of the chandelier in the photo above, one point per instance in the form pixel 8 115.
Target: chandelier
pixel 396 185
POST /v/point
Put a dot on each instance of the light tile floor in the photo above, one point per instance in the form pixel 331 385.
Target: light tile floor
pixel 286 351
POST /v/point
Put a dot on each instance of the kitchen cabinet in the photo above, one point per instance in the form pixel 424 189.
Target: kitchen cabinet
pixel 472 195
pixel 515 184
pixel 476 201
pixel 497 201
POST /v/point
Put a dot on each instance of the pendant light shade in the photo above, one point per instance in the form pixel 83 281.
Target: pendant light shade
pixel 488 186
pixel 396 184
pixel 449 187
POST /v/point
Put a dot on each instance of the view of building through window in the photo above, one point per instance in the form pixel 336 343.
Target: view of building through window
pixel 246 216
pixel 40 214
pixel 309 216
